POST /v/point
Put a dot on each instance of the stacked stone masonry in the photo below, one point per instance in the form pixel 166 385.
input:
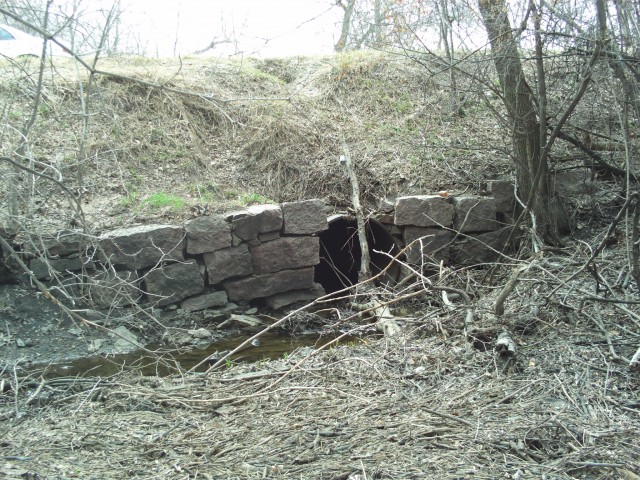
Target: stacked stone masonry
pixel 262 252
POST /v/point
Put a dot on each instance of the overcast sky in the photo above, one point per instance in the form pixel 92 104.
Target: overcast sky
pixel 260 27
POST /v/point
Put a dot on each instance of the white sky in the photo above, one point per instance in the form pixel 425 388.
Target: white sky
pixel 265 28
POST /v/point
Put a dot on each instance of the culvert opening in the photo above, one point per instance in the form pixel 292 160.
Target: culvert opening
pixel 340 253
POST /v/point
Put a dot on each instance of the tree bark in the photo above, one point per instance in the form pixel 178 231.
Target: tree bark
pixel 346 24
pixel 532 171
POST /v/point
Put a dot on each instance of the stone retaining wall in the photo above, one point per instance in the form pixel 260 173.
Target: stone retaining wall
pixel 262 252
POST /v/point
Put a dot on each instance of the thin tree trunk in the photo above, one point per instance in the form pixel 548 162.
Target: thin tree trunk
pixel 532 171
pixel 341 44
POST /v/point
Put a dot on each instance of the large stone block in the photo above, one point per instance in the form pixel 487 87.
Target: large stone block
pixel 257 219
pixel 109 289
pixel 574 182
pixel 269 284
pixel 504 195
pixel 227 263
pixel 285 253
pixel 50 268
pixel 481 249
pixel 424 211
pixel 172 283
pixel 281 300
pixel 304 217
pixel 63 243
pixel 474 214
pixel 432 249
pixel 134 248
pixel 208 234
pixel 201 302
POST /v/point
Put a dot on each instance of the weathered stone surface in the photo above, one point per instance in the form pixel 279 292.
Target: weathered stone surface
pixel 503 193
pixel 574 182
pixel 424 211
pixel 124 340
pixel 267 237
pixel 435 245
pixel 109 289
pixel 481 248
pixel 386 218
pixel 387 205
pixel 304 217
pixel 281 300
pixel 474 214
pixel 134 248
pixel 248 223
pixel 208 234
pixel 57 266
pixel 68 289
pixel 285 253
pixel 172 283
pixel 269 284
pixel 227 263
pixel 63 243
pixel 202 302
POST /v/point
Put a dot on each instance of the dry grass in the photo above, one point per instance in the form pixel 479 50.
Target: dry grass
pixel 232 129
pixel 418 407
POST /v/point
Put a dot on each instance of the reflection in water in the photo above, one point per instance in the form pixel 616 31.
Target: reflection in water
pixel 164 362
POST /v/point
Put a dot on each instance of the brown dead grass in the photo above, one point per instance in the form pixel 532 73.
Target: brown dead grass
pixel 220 132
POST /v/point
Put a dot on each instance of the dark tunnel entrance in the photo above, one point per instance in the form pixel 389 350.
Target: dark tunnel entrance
pixel 340 253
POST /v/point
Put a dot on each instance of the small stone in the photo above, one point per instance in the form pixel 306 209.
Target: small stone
pixel 200 333
pixel 251 311
pixel 20 343
pixel 95 345
pixel 75 331
pixel 246 320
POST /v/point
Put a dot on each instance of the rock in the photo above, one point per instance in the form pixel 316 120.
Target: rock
pixel 285 253
pixel 75 331
pixel 63 243
pixel 227 263
pixel 504 195
pixel 94 345
pixel 574 182
pixel 42 268
pixel 251 311
pixel 435 245
pixel 387 205
pixel 124 340
pixel 173 283
pixel 20 343
pixel 220 314
pixel 480 249
pixel 109 289
pixel 267 237
pixel 200 333
pixel 245 320
pixel 69 290
pixel 134 248
pixel 208 234
pixel 281 300
pixel 424 211
pixel 202 302
pixel 257 219
pixel 266 285
pixel 474 214
pixel 304 217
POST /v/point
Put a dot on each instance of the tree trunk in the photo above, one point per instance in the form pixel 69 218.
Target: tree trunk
pixel 532 171
pixel 346 24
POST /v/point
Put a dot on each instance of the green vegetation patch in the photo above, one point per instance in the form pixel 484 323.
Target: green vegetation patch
pixel 161 200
